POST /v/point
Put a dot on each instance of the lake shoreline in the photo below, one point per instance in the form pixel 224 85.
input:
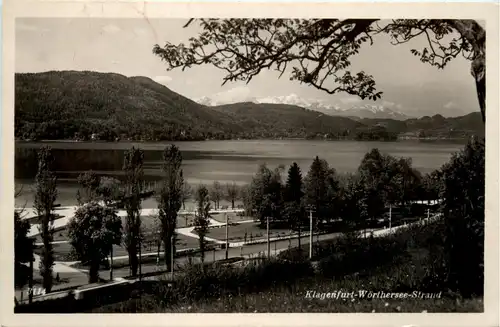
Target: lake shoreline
pixel 398 140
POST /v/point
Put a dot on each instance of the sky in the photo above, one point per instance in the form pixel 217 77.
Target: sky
pixel 124 46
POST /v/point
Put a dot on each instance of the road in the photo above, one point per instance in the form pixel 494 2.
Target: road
pixel 74 278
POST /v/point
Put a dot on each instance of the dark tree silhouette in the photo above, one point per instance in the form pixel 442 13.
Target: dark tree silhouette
pixel 318 51
pixel 93 231
pixel 464 211
pixel 45 197
pixel 170 198
pixel 134 173
pixel 202 218
pixel 293 197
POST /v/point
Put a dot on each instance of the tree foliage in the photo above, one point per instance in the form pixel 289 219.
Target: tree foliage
pixel 317 187
pixel 318 52
pixel 187 192
pixel 88 191
pixel 93 231
pixel 202 219
pixel 172 194
pixel 294 199
pixel 232 193
pixel 134 175
pixel 216 193
pixel 44 203
pixel 110 189
pixel 464 212
pixel 266 194
pixel 23 248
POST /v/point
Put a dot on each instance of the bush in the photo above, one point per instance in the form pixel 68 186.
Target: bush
pixel 463 209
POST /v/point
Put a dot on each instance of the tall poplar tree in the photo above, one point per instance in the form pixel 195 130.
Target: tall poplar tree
pixel 44 203
pixel 134 174
pixel 202 217
pixel 170 199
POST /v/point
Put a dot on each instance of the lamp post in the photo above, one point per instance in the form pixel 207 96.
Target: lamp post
pixel 227 236
pixel 111 264
pixel 310 231
pixel 268 240
pixel 390 218
pixel 172 254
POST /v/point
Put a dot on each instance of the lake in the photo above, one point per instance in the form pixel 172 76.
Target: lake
pixel 208 161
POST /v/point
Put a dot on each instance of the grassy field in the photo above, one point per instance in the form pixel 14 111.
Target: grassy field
pixel 405 262
pixel 237 232
pixel 62 251
pixel 233 217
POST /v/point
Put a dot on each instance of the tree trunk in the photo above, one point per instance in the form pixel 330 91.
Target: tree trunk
pixel 476 37
pixel 299 236
pixel 47 260
pixel 481 93
pixel 167 249
pixel 94 271
pixel 133 261
pixel 232 204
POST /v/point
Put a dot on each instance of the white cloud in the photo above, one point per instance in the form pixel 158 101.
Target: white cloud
pixel 350 100
pixel 162 79
pixel 30 28
pixel 236 94
pixel 450 105
pixel 140 31
pixel 111 29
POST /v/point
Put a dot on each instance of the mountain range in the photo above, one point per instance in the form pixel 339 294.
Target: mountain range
pixel 339 109
pixel 108 106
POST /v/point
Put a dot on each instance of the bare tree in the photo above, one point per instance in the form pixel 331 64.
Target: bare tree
pixel 187 192
pixel 216 193
pixel 232 192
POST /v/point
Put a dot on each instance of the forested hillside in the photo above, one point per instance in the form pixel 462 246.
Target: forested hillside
pixel 78 105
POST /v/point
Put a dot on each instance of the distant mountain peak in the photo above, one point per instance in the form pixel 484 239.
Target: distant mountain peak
pixel 363 110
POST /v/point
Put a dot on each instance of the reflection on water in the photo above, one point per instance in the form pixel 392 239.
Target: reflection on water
pixel 224 161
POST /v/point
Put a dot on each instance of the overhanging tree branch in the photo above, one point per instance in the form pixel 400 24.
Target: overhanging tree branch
pixel 318 51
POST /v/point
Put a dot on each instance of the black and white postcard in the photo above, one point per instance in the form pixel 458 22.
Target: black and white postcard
pixel 273 164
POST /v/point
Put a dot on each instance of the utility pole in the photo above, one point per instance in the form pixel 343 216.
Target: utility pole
pixel 310 233
pixel 172 255
pixel 30 283
pixel 111 264
pixel 268 240
pixel 390 218
pixel 140 258
pixel 227 236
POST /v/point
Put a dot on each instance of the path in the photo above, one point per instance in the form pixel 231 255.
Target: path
pixel 66 213
pixel 78 278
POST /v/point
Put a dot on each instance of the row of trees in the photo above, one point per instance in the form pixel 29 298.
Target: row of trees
pixel 380 181
pixel 217 192
pixel 96 226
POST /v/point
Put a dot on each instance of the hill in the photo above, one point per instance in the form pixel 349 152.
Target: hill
pixel 73 104
pixel 69 104
pixel 107 106
pixel 435 126
pixel 275 120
